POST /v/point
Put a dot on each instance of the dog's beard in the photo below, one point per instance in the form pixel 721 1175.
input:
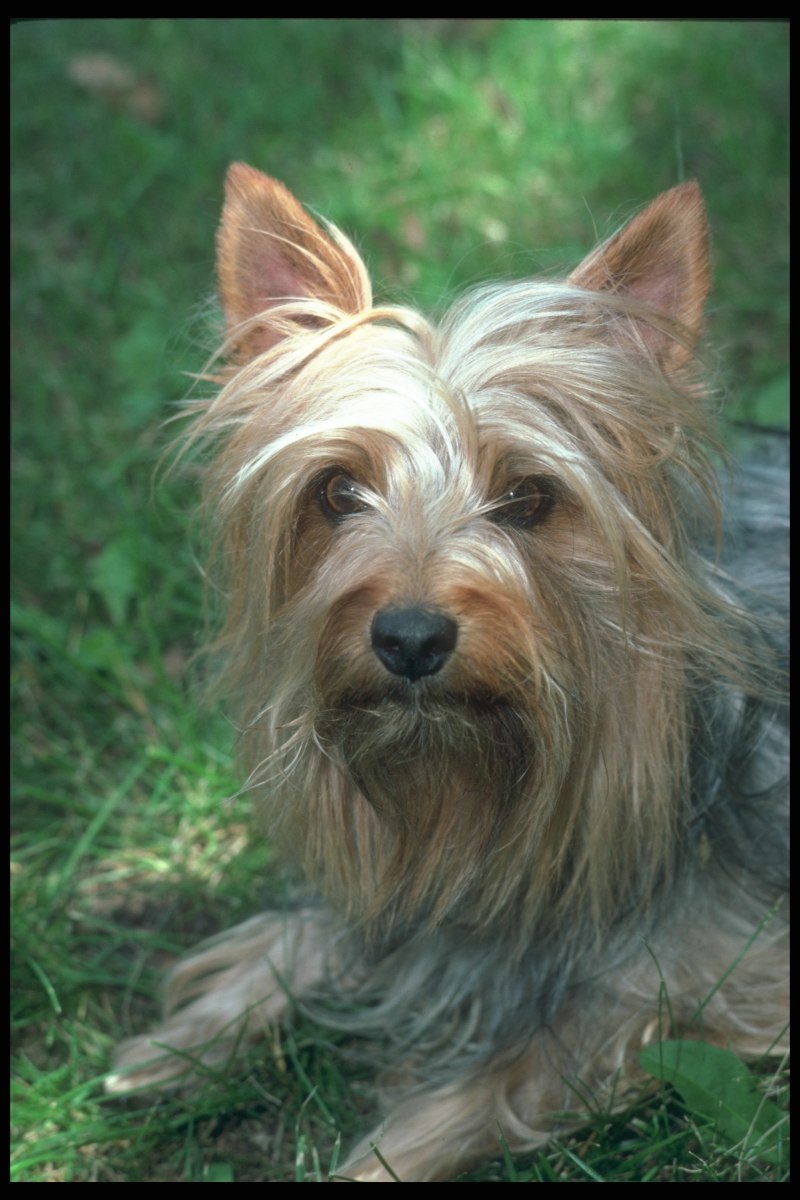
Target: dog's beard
pixel 443 778
pixel 412 760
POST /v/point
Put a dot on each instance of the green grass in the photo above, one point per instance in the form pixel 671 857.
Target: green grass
pixel 452 152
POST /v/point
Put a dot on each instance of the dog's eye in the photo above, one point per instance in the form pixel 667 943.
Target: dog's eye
pixel 338 496
pixel 525 504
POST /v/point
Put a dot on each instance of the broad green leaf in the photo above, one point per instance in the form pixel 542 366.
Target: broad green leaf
pixel 716 1086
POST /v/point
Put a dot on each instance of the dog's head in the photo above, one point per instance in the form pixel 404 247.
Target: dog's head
pixel 460 603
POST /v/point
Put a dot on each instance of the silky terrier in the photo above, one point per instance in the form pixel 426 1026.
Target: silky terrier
pixel 509 692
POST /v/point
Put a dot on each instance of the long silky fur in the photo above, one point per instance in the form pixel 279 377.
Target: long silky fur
pixel 648 623
pixel 585 812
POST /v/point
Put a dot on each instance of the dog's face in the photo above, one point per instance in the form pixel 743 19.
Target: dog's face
pixel 454 552
pixel 407 562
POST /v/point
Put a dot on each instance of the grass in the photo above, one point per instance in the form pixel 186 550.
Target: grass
pixel 453 151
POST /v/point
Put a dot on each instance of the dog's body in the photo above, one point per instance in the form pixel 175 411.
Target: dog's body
pixel 512 719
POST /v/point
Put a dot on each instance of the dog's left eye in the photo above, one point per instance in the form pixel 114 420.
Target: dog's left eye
pixel 525 504
pixel 339 497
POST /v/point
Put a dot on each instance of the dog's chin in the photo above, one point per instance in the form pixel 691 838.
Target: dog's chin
pixel 401 743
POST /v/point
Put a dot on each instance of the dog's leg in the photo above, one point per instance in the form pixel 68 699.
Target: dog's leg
pixel 735 1000
pixel 224 995
pixel 437 1135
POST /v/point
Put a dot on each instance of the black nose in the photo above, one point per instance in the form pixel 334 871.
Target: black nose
pixel 413 641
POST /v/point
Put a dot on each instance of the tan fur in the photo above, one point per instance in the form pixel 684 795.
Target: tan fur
pixel 523 482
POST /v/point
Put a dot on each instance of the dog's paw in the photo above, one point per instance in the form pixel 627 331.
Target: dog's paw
pixel 192 1044
pixel 224 997
pixel 149 1061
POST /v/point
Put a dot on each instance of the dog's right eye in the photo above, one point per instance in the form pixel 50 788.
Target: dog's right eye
pixel 339 497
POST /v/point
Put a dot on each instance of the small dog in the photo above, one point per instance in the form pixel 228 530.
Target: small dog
pixel 514 718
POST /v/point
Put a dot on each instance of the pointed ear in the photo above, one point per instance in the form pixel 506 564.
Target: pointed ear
pixel 660 259
pixel 269 250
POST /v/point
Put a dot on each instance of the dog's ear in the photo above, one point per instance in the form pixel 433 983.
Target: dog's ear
pixel 269 250
pixel 660 259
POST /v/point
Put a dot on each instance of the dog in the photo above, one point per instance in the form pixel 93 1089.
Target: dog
pixel 514 718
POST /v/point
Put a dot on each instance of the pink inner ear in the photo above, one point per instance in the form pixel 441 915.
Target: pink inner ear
pixel 270 250
pixel 264 276
pixel 660 258
pixel 261 284
pixel 658 289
